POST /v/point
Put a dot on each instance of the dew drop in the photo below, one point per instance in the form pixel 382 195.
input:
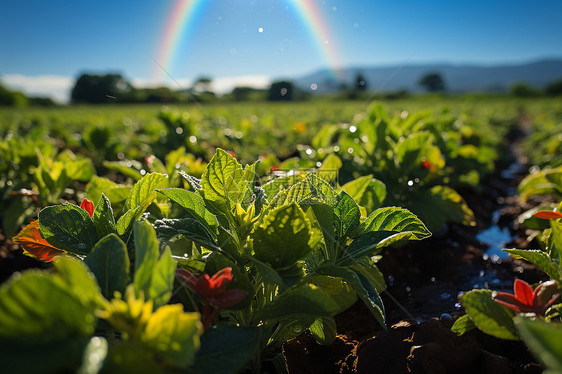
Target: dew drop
pixel 352 128
pixel 313 86
pixel 445 317
pixel 179 130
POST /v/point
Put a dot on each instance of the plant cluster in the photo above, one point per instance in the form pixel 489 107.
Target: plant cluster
pixel 253 268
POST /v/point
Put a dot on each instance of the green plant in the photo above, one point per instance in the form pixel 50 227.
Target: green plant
pixel 528 313
pixel 74 317
pixel 281 264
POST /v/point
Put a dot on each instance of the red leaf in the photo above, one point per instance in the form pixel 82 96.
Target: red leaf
pixel 228 298
pixel 221 278
pixel 523 291
pixel 547 214
pixel 507 299
pixel 88 206
pixel 34 245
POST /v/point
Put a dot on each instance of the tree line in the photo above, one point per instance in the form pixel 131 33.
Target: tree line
pixel 114 88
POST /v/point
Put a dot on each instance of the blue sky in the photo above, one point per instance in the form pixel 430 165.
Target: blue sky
pixel 49 43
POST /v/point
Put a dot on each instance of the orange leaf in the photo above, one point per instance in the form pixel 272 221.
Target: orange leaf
pixel 547 214
pixel 34 245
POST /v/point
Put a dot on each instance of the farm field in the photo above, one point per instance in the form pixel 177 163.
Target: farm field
pixel 320 236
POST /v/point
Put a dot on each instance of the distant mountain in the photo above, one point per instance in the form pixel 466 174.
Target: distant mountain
pixel 458 77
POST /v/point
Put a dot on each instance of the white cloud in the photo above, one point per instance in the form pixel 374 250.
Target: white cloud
pixel 226 84
pixel 53 86
pixel 220 85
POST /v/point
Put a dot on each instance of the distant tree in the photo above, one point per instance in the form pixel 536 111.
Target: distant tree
pixel 203 84
pixel 432 82
pixel 160 95
pixel 41 101
pixel 12 98
pixel 98 89
pixel 360 83
pixel 554 88
pixel 281 91
pixel 522 89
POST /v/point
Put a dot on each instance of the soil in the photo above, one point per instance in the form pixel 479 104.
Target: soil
pixel 424 280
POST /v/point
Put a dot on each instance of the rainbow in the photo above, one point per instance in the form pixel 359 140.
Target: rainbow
pixel 311 16
pixel 180 24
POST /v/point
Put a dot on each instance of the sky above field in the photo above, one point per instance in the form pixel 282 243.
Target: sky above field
pixel 45 45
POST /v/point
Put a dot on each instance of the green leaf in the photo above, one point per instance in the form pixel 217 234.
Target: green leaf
pixel 31 305
pixel 462 325
pixel 330 167
pixel 144 190
pixel 441 204
pixel 116 193
pixel 300 299
pixel 162 282
pixel 146 255
pixel 490 317
pixel 542 183
pixel 396 220
pixel 347 216
pixel 296 193
pixel 360 284
pixel 340 291
pixel 125 168
pixel 540 259
pixel 103 217
pixel 187 227
pixel 79 169
pixel 368 244
pixel 367 191
pixel 545 341
pixel 324 136
pixel 369 269
pixel 109 262
pixel 155 278
pixel 282 237
pixel 268 274
pixel 195 206
pixel 324 215
pixel 224 182
pixel 77 277
pixel 173 334
pixel 324 330
pixel 68 227
pixel 226 349
pixel 125 223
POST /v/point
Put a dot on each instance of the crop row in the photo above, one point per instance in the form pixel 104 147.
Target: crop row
pixel 176 256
